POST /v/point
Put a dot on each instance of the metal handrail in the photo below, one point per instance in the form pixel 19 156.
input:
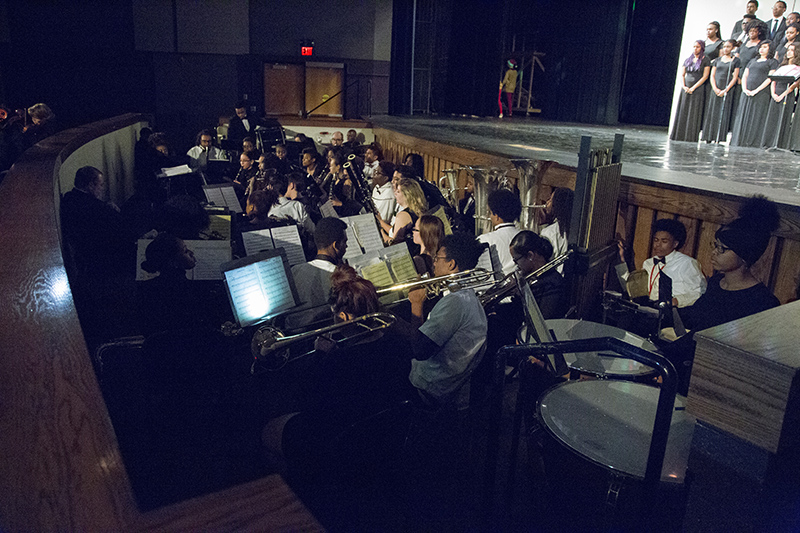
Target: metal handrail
pixel 307 113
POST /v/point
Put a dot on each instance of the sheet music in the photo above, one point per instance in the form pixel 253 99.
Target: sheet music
pixel 274 284
pixel 353 248
pixel 223 196
pixel 141 246
pixel 327 210
pixel 400 262
pixel 441 215
pixel 366 231
pixel 288 238
pixel 210 255
pixel 259 289
pixel 175 171
pixel 257 241
pixel 485 260
pixel 378 274
pixel 220 227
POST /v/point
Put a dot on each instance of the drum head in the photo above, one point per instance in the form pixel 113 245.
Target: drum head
pixel 610 423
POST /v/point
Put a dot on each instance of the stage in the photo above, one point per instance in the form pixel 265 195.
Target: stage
pixel 648 154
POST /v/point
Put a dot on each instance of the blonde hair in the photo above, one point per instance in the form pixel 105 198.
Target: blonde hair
pixel 41 111
pixel 414 196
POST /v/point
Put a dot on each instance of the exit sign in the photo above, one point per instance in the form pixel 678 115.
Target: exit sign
pixel 306 50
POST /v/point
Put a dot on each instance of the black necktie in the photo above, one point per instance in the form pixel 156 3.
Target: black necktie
pixel 657 260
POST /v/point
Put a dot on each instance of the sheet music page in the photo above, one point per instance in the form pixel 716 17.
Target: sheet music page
pixel 400 261
pixel 210 255
pixel 141 246
pixel 361 260
pixel 231 200
pixel 175 171
pixel 220 227
pixel 485 261
pixel 378 274
pixel 257 241
pixel 353 248
pixel 441 215
pixel 274 284
pixel 288 238
pixel 328 211
pixel 367 231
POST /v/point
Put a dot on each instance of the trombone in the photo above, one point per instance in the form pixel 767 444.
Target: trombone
pixel 452 282
pixel 270 347
pixel 508 285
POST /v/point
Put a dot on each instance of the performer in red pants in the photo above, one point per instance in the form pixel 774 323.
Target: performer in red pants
pixel 508 86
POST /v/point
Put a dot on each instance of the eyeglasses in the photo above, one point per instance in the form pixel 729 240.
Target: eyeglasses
pixel 720 249
pixel 437 257
pixel 517 258
pixel 415 230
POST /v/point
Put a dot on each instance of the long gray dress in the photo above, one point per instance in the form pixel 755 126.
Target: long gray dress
pixel 779 119
pixel 718 110
pixel 689 116
pixel 752 114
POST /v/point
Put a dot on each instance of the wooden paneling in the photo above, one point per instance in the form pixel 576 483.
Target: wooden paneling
pixel 321 84
pixel 283 89
pixel 640 204
pixel 60 465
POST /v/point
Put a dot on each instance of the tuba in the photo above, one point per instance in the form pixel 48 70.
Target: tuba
pixel 528 186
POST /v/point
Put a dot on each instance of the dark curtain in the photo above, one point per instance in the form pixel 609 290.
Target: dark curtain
pixel 400 72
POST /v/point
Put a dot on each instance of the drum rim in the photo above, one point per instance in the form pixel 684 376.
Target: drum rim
pixel 610 469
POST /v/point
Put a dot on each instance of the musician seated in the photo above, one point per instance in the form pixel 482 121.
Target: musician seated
pixel 433 196
pixel 287 206
pixel 411 201
pixel 448 345
pixel 313 164
pixel 313 279
pixel 557 216
pixel 346 384
pixel 504 210
pixel 383 192
pixel 688 281
pixel 428 235
pixel 342 204
pixel 259 205
pixel 530 253
pixel 372 157
pixel 203 151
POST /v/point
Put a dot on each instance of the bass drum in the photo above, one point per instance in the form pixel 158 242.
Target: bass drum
pixel 596 364
pixel 595 454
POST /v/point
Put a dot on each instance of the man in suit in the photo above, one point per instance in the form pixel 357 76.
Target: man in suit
pixel 776 27
pixel 738 28
pixel 241 126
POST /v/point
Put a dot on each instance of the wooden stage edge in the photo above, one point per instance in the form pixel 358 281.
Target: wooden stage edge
pixel 60 464
pixel 641 203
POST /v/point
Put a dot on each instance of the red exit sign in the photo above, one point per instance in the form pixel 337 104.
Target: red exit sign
pixel 306 50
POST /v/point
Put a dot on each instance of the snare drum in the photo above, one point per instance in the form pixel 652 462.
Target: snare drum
pixel 609 425
pixel 593 363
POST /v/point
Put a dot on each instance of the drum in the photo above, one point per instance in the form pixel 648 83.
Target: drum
pixel 600 434
pixel 593 363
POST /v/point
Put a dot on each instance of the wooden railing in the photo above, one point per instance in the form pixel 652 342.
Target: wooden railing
pixel 60 466
pixel 640 204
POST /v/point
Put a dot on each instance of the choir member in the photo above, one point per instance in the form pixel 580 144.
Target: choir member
pixel 724 80
pixel 691 104
pixel 751 116
pixel 781 106
pixel 713 40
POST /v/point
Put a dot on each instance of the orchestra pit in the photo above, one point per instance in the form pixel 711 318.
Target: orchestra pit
pixel 285 267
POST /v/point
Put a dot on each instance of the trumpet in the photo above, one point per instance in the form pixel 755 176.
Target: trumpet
pixel 270 348
pixel 508 285
pixel 452 282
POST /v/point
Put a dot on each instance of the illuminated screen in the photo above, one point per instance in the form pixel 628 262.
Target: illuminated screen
pixel 259 287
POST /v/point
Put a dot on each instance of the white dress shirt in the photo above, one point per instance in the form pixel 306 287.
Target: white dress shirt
pixel 385 202
pixel 688 281
pixel 560 244
pixel 199 156
pixel 294 210
pixel 500 240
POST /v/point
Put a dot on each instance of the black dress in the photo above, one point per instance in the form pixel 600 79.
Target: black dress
pixel 745 55
pixel 712 49
pixel 752 114
pixel 779 119
pixel 718 306
pixel 718 110
pixel 689 116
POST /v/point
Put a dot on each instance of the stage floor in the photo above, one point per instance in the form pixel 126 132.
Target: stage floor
pixel 647 154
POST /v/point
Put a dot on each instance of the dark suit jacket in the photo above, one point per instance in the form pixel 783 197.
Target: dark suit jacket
pixel 237 131
pixel 778 35
pixel 737 28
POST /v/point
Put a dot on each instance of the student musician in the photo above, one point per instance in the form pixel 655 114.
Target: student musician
pixel 688 281
pixel 287 205
pixel 449 344
pixel 313 279
pixel 504 210
pixel 530 253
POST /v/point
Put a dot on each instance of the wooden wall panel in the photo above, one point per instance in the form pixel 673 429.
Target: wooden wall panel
pixel 642 236
pixel 762 269
pixel 705 245
pixel 787 278
pixel 690 246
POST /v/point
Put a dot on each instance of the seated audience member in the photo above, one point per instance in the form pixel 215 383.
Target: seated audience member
pixel 43 126
pixel 733 291
pixel 688 281
pixel 558 211
pixel 168 301
pixel 383 192
pixel 531 252
pixel 182 216
pixel 448 345
pixel 428 235
pixel 241 125
pixel 343 386
pixel 94 230
pixel 313 279
pixel 504 210
pixel 372 157
pixel 412 204
pixel 203 151
pixel 287 205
